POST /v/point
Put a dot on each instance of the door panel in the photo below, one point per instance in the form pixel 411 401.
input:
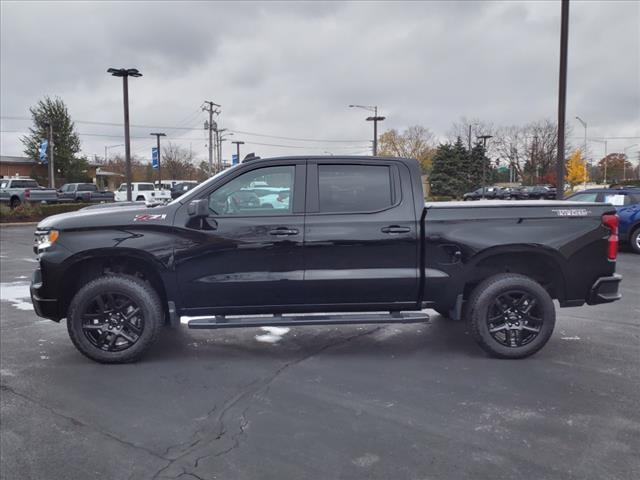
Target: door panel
pixel 246 253
pixel 359 257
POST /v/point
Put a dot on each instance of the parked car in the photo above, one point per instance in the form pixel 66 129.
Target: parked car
pixel 515 193
pixel 179 189
pixel 142 191
pixel 277 200
pixel 490 193
pixel 84 192
pixel 15 191
pixel 356 237
pixel 541 192
pixel 627 204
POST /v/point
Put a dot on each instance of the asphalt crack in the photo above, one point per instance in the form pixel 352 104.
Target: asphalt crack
pixel 219 429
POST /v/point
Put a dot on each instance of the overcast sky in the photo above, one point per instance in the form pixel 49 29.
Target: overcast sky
pixel 290 69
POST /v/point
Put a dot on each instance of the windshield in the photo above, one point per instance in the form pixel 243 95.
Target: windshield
pixel 195 191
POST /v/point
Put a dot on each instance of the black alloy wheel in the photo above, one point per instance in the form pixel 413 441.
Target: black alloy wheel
pixel 510 315
pixel 112 322
pixel 514 319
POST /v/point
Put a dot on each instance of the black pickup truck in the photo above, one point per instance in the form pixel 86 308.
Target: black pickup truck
pixel 351 242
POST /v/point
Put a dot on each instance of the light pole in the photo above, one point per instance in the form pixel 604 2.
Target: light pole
pixel 484 139
pixel 584 124
pixel 158 135
pixel 109 147
pixel 221 138
pixel 375 119
pixel 624 161
pixel 605 157
pixel 237 143
pixel 562 97
pixel 125 73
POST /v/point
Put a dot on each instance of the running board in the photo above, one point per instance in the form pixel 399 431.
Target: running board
pixel 220 321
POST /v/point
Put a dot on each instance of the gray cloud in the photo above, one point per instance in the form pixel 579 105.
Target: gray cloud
pixel 290 69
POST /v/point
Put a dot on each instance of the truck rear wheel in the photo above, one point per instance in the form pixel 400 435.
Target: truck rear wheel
pixel 634 240
pixel 114 319
pixel 511 316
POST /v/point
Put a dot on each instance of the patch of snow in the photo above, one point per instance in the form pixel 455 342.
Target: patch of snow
pixel 570 338
pixel 16 293
pixel 273 335
pixel 366 460
pixel 22 277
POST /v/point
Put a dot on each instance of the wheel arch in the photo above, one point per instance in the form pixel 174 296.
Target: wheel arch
pixel 538 262
pixel 91 264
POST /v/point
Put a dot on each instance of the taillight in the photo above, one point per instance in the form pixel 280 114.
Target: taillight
pixel 611 222
pixel 27 193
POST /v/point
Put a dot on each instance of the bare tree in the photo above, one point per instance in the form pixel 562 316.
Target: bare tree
pixel 177 162
pixel 478 127
pixel 415 142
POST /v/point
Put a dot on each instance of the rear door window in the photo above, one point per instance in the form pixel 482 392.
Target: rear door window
pixel 354 188
pixel 585 197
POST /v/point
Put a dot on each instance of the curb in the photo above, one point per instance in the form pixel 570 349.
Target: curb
pixel 18 224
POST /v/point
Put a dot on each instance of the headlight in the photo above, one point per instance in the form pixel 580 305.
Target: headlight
pixel 44 239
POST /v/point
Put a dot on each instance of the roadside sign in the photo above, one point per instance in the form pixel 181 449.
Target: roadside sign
pixel 154 158
pixel 43 151
pixel 234 159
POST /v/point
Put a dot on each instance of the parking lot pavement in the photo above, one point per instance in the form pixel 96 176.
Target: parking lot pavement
pixel 414 401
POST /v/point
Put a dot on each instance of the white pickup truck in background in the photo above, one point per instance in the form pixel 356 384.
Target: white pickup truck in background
pixel 142 191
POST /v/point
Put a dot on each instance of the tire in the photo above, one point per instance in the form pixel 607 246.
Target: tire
pixel 634 240
pixel 523 312
pixel 14 203
pixel 98 328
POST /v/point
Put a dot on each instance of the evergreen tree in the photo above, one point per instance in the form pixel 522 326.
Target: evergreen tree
pixel 65 140
pixel 448 175
pixel 475 162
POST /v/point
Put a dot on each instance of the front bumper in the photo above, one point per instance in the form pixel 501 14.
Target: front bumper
pixel 44 307
pixel 605 290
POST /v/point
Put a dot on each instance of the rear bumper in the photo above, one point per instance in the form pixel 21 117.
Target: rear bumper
pixel 44 307
pixel 605 290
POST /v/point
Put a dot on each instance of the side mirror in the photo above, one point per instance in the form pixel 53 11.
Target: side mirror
pixel 198 208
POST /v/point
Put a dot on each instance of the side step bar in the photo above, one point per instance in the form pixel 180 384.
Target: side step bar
pixel 221 321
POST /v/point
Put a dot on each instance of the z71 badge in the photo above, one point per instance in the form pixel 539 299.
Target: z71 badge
pixel 145 217
pixel 572 212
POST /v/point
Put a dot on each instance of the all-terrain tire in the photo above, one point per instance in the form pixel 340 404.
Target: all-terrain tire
pixel 492 292
pixel 143 297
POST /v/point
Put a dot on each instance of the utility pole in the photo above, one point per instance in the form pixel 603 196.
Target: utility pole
pixel 209 108
pixel 375 119
pixel 562 97
pixel 52 170
pixel 484 164
pixel 584 124
pixel 237 144
pixel 158 135
pixel 605 156
pixel 125 73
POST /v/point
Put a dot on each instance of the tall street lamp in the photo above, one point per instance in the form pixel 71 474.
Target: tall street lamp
pixel 109 147
pixel 605 157
pixel 584 124
pixel 125 73
pixel 624 161
pixel 375 119
pixel 237 143
pixel 484 139
pixel 158 135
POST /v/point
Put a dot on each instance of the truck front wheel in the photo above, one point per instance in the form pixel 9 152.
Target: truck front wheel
pixel 511 315
pixel 114 319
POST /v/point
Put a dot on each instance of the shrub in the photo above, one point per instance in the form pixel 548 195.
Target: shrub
pixel 27 212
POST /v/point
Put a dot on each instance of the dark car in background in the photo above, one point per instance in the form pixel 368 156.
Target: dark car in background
pixel 540 192
pixel 181 188
pixel 490 193
pixel 627 204
pixel 83 192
